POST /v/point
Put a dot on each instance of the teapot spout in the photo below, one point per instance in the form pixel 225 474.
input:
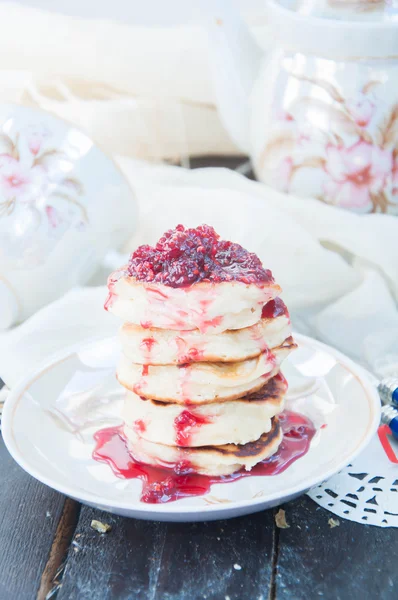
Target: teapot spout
pixel 235 61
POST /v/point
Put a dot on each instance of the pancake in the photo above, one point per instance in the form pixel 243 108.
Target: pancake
pixel 206 460
pixel 198 383
pixel 169 347
pixel 206 306
pixel 237 421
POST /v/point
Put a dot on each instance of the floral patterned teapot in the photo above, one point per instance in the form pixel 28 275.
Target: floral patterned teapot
pixel 63 206
pixel 319 114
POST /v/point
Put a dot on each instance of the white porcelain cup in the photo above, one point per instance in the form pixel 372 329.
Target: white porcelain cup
pixel 63 205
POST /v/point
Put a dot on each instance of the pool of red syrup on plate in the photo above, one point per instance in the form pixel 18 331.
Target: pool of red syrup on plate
pixel 160 485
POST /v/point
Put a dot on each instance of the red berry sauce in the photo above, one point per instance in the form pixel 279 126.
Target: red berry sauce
pixel 187 355
pixel 185 424
pixel 183 257
pixel 139 426
pixel 109 301
pixel 112 280
pixel 148 343
pixel 146 346
pixel 274 308
pixel 161 485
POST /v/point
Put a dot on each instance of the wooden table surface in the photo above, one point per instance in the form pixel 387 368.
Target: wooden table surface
pixel 48 550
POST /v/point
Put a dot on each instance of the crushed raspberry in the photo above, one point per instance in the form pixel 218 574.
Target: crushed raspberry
pixel 183 257
pixel 184 423
pixel 160 491
pixel 274 308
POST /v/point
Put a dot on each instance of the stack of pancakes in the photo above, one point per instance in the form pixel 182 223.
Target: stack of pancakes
pixel 201 366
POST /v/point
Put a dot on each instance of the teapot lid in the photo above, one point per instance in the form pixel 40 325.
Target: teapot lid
pixel 339 29
pixel 346 10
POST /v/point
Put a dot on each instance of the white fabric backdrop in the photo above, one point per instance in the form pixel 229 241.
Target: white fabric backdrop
pixel 151 12
pixel 137 89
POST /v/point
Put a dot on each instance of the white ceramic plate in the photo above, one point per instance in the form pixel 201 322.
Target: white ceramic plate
pixel 49 420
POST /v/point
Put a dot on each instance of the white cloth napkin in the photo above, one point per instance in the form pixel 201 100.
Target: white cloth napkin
pixel 339 271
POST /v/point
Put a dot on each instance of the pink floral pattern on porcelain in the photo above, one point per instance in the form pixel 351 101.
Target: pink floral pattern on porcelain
pixel 283 174
pixel 354 160
pixel 395 177
pixel 361 109
pixel 356 174
pixel 35 175
pixel 359 6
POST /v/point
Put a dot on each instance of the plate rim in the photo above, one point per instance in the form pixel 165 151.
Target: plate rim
pixel 174 508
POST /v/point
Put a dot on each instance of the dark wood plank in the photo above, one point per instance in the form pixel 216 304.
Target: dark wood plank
pixel 349 561
pixel 217 559
pixel 53 571
pixel 120 564
pixel 29 515
pixel 165 561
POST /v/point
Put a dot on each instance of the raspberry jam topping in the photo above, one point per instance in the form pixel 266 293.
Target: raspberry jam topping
pixel 183 257
pixel 274 308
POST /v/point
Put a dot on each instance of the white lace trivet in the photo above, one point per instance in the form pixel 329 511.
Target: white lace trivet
pixel 366 491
